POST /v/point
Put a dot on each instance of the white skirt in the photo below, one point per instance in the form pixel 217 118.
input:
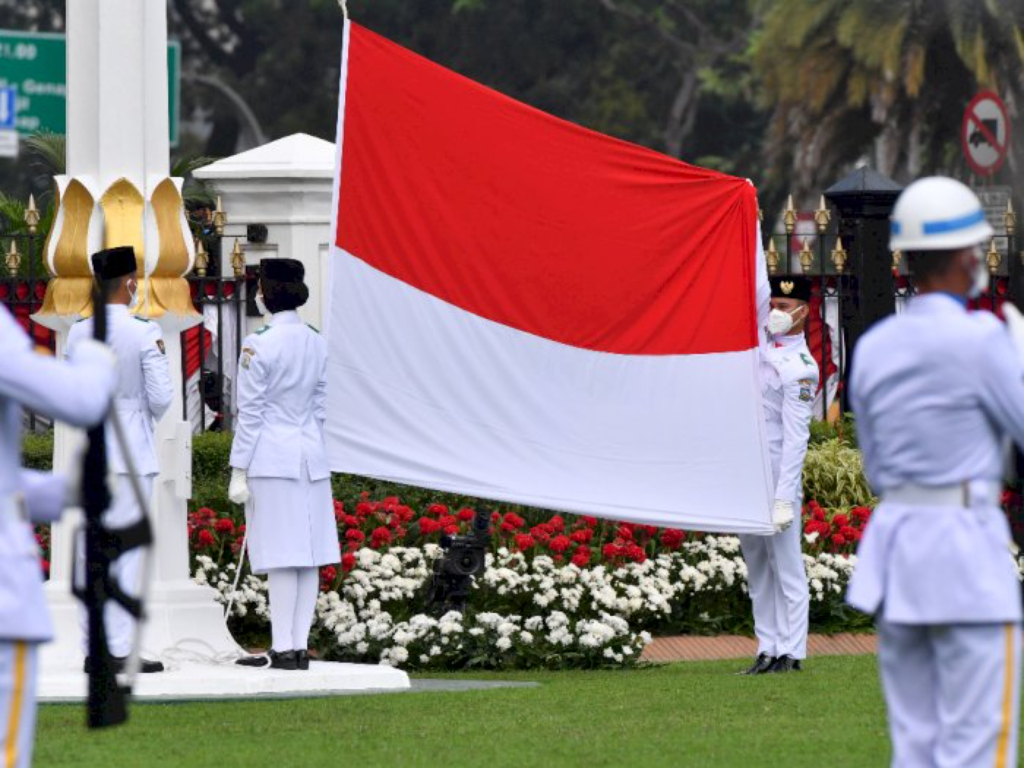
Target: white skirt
pixel 290 523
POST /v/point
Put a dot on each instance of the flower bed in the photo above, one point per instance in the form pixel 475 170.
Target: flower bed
pixel 565 592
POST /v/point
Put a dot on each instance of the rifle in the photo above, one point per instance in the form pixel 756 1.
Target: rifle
pixel 107 698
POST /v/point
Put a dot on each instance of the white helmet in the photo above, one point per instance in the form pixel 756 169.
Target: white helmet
pixel 937 214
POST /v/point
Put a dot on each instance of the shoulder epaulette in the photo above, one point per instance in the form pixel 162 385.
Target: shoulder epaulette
pixel 140 319
pixel 313 328
pixel 264 329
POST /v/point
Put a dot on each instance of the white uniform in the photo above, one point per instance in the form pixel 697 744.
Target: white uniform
pixel 776 577
pixel 279 442
pixel 934 390
pixel 77 392
pixel 142 396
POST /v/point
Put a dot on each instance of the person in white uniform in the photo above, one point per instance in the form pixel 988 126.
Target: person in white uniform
pixel 777 581
pixel 77 391
pixel 143 396
pixel 279 462
pixel 934 390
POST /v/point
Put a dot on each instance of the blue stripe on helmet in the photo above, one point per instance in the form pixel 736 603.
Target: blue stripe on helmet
pixel 894 227
pixel 953 225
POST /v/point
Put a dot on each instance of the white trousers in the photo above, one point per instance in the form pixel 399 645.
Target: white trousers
pixel 953 693
pixel 777 583
pixel 293 594
pixel 124 510
pixel 18 669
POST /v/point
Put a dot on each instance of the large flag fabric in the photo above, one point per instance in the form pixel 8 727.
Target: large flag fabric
pixel 527 311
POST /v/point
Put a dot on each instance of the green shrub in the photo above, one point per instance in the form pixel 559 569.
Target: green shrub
pixel 845 430
pixel 834 476
pixel 211 470
pixel 37 450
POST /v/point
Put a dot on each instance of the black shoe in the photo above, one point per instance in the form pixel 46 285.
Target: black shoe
pixel 302 659
pixel 785 663
pixel 252 661
pixel 283 660
pixel 146 666
pixel 761 664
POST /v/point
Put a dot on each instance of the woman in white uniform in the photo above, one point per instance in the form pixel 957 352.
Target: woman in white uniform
pixel 279 463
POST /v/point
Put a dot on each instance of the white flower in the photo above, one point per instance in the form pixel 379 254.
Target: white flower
pixel 503 644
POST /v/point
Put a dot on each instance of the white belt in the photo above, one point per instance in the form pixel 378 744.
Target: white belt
pixel 129 404
pixel 974 493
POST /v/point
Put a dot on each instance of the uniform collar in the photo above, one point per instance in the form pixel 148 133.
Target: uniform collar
pixel 938 302
pixel 788 340
pixel 288 317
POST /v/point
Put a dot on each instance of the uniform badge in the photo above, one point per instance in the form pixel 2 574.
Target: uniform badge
pixel 806 359
pixel 806 390
pixel 247 355
pixel 161 347
pixel 787 286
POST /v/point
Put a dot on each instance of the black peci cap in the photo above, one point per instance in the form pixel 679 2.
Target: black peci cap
pixel 112 263
pixel 282 270
pixel 791 287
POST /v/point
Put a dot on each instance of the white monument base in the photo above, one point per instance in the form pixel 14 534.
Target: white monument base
pixel 196 680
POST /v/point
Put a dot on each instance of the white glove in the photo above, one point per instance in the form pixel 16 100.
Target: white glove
pixel 782 515
pixel 90 349
pixel 238 489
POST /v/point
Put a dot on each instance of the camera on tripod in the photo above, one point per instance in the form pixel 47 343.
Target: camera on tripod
pixel 464 557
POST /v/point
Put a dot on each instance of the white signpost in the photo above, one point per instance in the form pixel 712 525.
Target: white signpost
pixel 8 118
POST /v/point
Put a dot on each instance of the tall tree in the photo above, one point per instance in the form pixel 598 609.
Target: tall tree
pixel 882 80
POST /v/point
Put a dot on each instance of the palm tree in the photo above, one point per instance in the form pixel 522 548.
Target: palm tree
pixel 882 80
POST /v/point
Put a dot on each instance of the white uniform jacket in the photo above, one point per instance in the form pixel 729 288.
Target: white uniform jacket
pixel 282 401
pixel 790 381
pixel 934 389
pixel 77 392
pixel 143 384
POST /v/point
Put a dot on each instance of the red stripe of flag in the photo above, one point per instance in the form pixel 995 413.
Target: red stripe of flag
pixel 537 223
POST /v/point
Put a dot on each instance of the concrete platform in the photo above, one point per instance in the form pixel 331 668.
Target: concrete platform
pixel 198 681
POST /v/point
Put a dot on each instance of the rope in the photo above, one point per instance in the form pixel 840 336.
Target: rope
pixel 344 8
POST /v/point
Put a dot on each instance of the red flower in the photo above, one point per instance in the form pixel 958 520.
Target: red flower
pixel 635 553
pixel 351 521
pixel 225 525
pixel 354 535
pixel 466 514
pixel 380 537
pixel 204 513
pixel 590 522
pixel 205 539
pixel 611 551
pixel 364 509
pixel 524 542
pixel 582 536
pixel 328 574
pixel 447 521
pixel 428 526
pixel 838 521
pixel 861 513
pixel 348 562
pixel 557 524
pixel 560 544
pixel 451 530
pixel 817 512
pixel 581 557
pixel 838 539
pixel 437 509
pixel 672 538
pixel 511 518
pixel 625 533
pixel 541 533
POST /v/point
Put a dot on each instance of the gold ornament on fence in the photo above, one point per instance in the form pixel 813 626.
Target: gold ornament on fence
pixel 992 257
pixel 32 215
pixel 789 216
pixel 822 216
pixel 839 256
pixel 1010 218
pixel 202 258
pixel 806 256
pixel 772 257
pixel 220 218
pixel 897 257
pixel 237 259
pixel 13 259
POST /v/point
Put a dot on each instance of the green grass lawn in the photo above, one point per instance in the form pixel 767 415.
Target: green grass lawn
pixel 692 714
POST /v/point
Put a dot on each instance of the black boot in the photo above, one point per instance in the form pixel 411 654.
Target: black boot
pixel 302 659
pixel 283 660
pixel 120 663
pixel 761 664
pixel 785 663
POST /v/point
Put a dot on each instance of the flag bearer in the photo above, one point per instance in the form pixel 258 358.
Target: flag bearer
pixel 77 391
pixel 934 390
pixel 776 578
pixel 143 396
pixel 279 462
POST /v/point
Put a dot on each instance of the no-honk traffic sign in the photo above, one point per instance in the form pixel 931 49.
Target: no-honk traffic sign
pixel 985 133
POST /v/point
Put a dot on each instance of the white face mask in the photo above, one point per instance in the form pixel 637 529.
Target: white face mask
pixel 979 275
pixel 260 305
pixel 133 295
pixel 780 322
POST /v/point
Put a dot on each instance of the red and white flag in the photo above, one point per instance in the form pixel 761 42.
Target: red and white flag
pixel 525 310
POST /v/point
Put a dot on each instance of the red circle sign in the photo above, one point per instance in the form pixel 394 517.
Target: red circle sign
pixel 985 133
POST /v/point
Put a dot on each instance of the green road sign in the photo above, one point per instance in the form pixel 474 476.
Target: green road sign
pixel 35 63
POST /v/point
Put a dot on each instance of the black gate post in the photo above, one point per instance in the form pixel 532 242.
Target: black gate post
pixel 864 201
